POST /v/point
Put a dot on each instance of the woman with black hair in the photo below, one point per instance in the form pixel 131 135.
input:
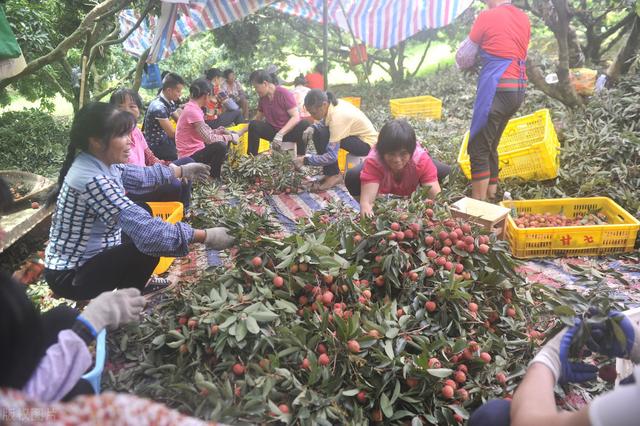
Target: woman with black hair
pixel 220 110
pixel 278 118
pixel 46 355
pixel 43 358
pixel 300 91
pixel 396 165
pixel 197 140
pixel 141 155
pixel 341 125
pixel 232 87
pixel 85 256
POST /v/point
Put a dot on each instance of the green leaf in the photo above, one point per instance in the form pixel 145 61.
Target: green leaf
pixel 459 410
pixel 396 392
pixel 440 372
pixel 286 306
pixel 159 340
pixel 252 325
pixel 392 332
pixel 401 414
pixel 228 322
pixel 459 345
pixel 241 330
pixel 265 316
pixel 124 342
pixel 388 349
pixel 564 310
pixel 176 344
pixel 385 405
pixel 350 392
pixel 283 353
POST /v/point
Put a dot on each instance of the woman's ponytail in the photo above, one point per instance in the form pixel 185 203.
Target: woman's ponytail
pixel 66 165
pixel 199 88
pixel 332 98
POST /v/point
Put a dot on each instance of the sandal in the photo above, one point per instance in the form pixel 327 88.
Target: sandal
pixel 316 186
pixel 156 284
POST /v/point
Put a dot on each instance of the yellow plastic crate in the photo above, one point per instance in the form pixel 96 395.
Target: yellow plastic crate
pixel 242 148
pixel 529 149
pixel 418 106
pixel 617 236
pixel 353 100
pixel 171 212
pixel 342 159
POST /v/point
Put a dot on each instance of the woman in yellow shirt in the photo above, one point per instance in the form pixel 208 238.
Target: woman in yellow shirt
pixel 341 125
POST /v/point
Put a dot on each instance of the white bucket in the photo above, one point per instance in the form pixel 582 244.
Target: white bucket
pixel 354 161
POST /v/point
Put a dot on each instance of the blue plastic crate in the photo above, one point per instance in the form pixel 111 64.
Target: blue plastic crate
pixel 95 376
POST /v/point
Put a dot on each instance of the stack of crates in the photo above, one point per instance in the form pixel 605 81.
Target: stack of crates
pixel 529 149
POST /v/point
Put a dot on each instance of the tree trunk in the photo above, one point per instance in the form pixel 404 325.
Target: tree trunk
pixel 627 54
pixel 137 78
pixel 61 49
pixel 561 31
pixel 576 56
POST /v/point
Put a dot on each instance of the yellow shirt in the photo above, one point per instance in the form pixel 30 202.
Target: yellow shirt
pixel 345 120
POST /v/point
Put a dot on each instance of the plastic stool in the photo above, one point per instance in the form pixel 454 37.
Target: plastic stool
pixel 354 161
pixel 95 376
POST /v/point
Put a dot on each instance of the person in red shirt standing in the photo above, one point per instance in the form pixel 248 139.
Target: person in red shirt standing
pixel 500 37
pixel 315 79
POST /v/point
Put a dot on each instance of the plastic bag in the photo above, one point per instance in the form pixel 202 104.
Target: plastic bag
pixel 151 77
pixel 583 80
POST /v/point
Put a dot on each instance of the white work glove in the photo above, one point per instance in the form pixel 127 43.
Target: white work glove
pixel 114 308
pixel 234 138
pixel 276 143
pixel 555 355
pixel 218 238
pixel 307 135
pixel 298 162
pixel 195 171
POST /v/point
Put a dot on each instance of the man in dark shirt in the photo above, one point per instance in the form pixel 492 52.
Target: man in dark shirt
pixel 158 129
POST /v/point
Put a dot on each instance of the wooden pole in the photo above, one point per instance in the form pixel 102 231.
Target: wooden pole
pixel 83 81
pixel 325 43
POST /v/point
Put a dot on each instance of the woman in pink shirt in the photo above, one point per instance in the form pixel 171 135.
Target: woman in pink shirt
pixel 194 138
pixel 141 155
pixel 278 117
pixel 396 165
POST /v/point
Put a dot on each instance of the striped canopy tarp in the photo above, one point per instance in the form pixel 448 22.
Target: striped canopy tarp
pixel 378 23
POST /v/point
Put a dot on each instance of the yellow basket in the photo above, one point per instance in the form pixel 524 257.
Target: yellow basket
pixel 529 149
pixel 353 100
pixel 617 236
pixel 342 159
pixel 169 212
pixel 242 148
pixel 419 107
